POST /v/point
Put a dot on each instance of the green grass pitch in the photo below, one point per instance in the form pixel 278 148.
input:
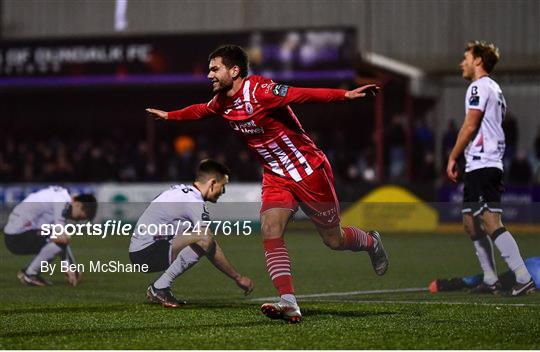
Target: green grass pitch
pixel 108 310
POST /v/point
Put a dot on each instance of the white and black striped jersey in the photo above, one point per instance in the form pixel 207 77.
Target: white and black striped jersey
pixel 486 149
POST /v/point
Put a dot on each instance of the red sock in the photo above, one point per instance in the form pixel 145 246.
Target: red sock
pixel 356 239
pixel 278 265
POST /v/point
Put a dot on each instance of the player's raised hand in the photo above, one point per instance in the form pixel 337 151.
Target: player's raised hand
pixel 159 114
pixel 451 170
pixel 360 92
pixel 245 284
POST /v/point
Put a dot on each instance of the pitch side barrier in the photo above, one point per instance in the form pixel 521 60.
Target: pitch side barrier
pixel 396 209
pixel 386 208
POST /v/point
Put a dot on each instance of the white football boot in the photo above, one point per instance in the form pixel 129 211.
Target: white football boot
pixel 285 310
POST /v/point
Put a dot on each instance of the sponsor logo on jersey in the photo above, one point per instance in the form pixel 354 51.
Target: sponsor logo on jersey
pixel 66 212
pixel 280 90
pixel 205 216
pixel 474 100
pixel 247 127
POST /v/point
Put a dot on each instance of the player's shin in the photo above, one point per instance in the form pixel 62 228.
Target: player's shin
pixel 67 254
pixel 278 265
pixel 510 252
pixel 46 254
pixel 484 253
pixel 186 259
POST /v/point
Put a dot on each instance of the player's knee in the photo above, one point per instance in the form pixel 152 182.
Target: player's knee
pixel 332 242
pixel 491 228
pixel 61 240
pixel 470 228
pixel 491 223
pixel 205 242
pixel 272 229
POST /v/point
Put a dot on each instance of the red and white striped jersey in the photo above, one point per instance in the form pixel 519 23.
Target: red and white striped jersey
pixel 260 114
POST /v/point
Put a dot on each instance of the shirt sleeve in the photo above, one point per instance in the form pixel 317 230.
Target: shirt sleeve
pixel 274 95
pixel 477 97
pixel 58 212
pixel 196 213
pixel 195 111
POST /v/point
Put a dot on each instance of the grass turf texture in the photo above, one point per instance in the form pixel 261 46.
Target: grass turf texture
pixel 108 310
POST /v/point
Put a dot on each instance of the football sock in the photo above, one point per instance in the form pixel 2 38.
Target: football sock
pixel 278 265
pixel 185 260
pixel 510 253
pixel 47 253
pixel 67 254
pixel 356 240
pixel 484 252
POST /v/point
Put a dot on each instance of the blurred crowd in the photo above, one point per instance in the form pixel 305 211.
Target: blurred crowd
pixel 118 160
pixel 110 160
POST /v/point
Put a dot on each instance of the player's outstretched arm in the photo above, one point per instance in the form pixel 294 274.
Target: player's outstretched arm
pixel 360 92
pixel 159 114
pixel 192 112
pixel 73 277
pixel 220 261
pixel 279 95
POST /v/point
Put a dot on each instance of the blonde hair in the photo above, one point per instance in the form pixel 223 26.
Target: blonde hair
pixel 488 52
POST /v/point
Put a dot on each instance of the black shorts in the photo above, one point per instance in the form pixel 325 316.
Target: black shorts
pixel 483 191
pixel 29 242
pixel 156 256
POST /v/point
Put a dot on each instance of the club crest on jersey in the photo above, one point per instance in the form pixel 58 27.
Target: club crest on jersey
pixel 474 100
pixel 280 90
pixel 249 108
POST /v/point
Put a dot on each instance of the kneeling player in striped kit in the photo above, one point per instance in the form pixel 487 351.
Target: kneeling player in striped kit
pixel 183 208
pixel 52 205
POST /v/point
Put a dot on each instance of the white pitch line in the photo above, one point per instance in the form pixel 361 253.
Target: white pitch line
pixel 350 293
pixel 435 302
pixel 316 296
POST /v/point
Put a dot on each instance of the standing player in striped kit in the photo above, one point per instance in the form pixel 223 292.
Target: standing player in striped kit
pixel 296 171
pixel 481 139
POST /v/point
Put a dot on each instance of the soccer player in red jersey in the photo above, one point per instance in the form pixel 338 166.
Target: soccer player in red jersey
pixel 296 171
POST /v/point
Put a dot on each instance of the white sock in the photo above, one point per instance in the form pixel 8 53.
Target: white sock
pixel 510 252
pixel 185 260
pixel 289 298
pixel 68 256
pixel 484 252
pixel 47 253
